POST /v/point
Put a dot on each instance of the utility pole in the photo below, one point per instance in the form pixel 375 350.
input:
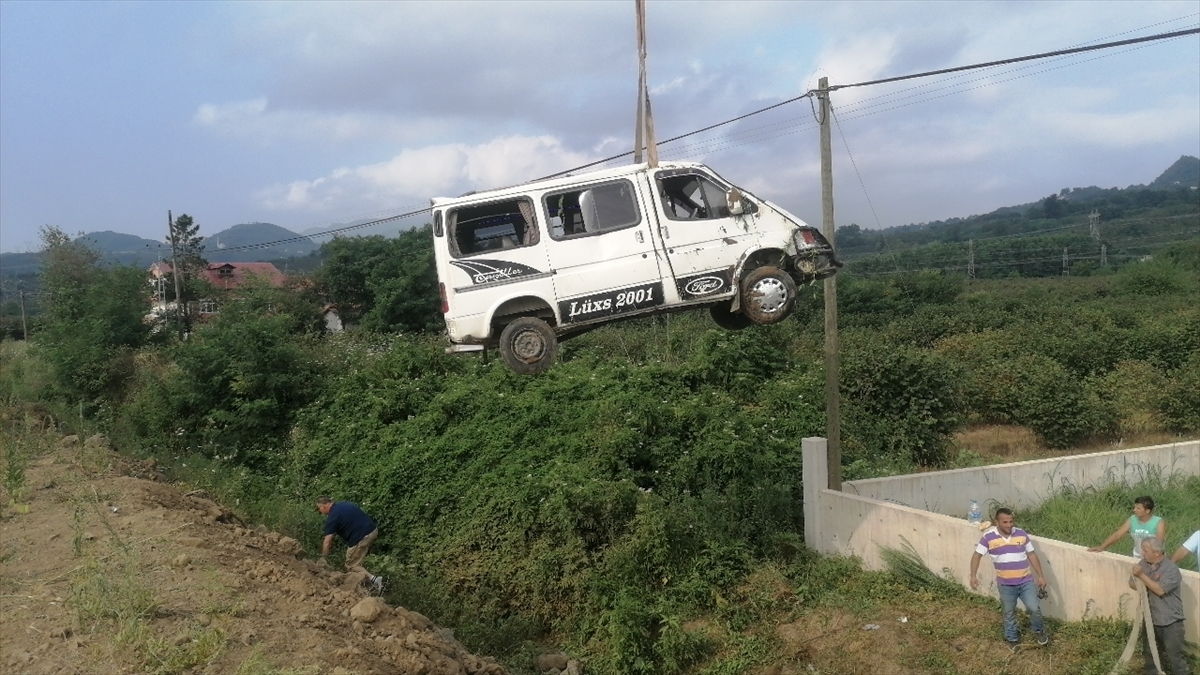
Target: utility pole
pixel 1094 224
pixel 24 328
pixel 644 133
pixel 833 416
pixel 971 259
pixel 1104 255
pixel 1066 272
pixel 175 273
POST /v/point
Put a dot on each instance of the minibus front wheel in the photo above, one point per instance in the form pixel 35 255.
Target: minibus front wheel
pixel 528 346
pixel 768 295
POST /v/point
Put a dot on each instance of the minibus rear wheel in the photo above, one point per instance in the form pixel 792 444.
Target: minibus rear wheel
pixel 528 346
pixel 728 320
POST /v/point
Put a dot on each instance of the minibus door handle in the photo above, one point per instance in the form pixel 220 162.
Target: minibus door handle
pixel 638 236
pixel 662 229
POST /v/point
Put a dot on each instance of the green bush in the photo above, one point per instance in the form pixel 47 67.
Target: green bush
pixel 93 319
pixel 1158 277
pixel 1134 390
pixel 1053 402
pixel 1180 401
pixel 902 403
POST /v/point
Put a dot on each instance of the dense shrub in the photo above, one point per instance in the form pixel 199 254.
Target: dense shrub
pixel 232 389
pixel 1180 401
pixel 1153 278
pixel 386 284
pixel 1134 389
pixel 901 402
pixel 1053 402
pixel 93 319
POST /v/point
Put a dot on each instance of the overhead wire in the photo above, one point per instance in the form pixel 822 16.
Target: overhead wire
pixel 1031 57
pixel 809 94
pixel 1116 249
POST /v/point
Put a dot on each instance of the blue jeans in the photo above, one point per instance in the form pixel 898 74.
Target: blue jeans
pixel 1027 592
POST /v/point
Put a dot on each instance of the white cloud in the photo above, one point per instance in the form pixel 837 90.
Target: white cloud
pixel 412 177
pixel 1120 129
pixel 255 119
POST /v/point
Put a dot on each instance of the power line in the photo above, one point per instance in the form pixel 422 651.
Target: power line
pixel 960 252
pixel 808 94
pixel 339 230
pixel 1031 57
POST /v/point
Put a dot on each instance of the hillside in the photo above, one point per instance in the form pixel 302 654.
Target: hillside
pixel 1185 172
pixel 254 234
pixel 133 574
pixel 1033 239
pixel 1165 196
pixel 127 249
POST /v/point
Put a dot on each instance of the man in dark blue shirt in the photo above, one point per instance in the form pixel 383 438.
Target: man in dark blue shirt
pixel 356 528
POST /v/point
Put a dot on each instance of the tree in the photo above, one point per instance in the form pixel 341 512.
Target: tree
pixel 384 284
pixel 1052 207
pixel 243 376
pixel 187 262
pixel 93 316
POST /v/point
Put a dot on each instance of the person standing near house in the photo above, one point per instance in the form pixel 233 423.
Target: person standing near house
pixel 1192 545
pixel 1143 524
pixel 1163 581
pixel 1018 575
pixel 356 528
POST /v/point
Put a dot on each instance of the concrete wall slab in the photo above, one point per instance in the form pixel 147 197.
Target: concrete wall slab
pixel 1025 484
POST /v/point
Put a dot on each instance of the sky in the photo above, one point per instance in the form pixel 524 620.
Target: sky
pixel 311 114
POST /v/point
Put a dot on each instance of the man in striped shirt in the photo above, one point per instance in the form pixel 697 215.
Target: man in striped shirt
pixel 1018 575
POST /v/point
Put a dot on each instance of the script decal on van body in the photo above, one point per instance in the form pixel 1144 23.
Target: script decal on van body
pixel 708 283
pixel 487 271
pixel 611 303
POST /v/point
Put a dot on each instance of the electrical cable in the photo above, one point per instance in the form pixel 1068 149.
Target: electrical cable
pixel 808 94
pixel 1031 57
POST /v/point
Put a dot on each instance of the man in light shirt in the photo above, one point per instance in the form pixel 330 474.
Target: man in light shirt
pixel 1192 545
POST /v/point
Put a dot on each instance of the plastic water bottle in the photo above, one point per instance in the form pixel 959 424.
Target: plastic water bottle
pixel 974 517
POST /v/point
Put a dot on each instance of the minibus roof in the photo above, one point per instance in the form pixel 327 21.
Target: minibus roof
pixel 552 183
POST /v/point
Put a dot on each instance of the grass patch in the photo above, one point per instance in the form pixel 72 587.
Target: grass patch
pixel 1085 516
pixel 257 664
pixel 110 597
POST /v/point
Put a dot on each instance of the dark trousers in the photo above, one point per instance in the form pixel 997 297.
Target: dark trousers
pixel 1170 650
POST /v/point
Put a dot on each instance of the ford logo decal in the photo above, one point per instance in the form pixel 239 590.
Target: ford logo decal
pixel 704 285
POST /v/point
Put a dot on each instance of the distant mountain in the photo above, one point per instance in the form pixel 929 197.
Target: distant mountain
pixel 114 248
pixel 19 264
pixel 254 234
pixel 390 228
pixel 1185 172
pixel 125 249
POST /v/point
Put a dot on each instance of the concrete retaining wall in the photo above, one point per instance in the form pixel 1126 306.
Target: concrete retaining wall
pixel 1025 484
pixel 1081 584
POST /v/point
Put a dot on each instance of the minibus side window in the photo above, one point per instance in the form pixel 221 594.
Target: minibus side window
pixel 596 209
pixel 495 226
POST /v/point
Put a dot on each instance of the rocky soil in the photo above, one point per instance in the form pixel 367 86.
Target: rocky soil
pixel 106 568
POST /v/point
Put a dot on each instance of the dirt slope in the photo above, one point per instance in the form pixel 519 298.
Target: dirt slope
pixel 104 568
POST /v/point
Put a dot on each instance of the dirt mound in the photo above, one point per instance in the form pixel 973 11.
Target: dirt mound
pixel 105 568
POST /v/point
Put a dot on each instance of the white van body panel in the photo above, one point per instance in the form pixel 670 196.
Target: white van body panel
pixel 580 250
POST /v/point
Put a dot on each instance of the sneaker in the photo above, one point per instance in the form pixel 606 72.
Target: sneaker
pixel 1014 646
pixel 1043 639
pixel 377 584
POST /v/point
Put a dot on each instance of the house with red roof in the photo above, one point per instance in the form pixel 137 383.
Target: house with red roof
pixel 224 276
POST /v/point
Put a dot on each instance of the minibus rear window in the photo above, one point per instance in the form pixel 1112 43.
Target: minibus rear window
pixel 495 226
